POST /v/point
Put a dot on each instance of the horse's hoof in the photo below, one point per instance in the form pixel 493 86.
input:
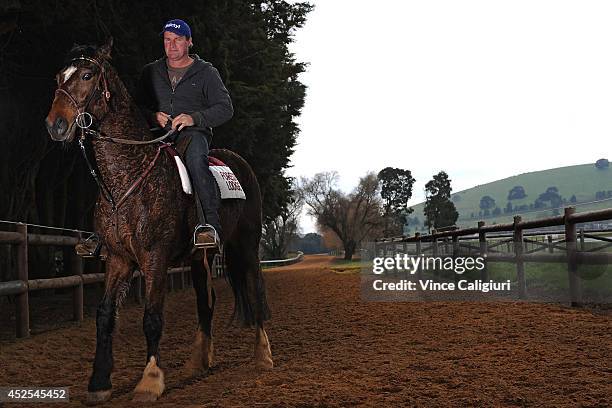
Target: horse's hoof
pixel 98 397
pixel 263 354
pixel 144 397
pixel 264 363
pixel 198 372
pixel 263 357
pixel 202 356
pixel 151 386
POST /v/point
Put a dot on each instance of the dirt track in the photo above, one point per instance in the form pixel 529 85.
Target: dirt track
pixel 331 349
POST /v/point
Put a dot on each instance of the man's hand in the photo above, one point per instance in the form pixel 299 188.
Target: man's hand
pixel 181 121
pixel 162 118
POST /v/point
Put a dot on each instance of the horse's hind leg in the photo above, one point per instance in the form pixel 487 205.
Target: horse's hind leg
pixel 263 354
pixel 202 355
pixel 118 274
pixel 249 289
pixel 151 386
pixel 257 298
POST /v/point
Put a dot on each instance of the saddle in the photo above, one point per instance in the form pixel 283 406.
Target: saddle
pixel 228 184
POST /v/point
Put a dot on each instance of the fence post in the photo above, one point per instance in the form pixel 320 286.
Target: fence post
pixel 22 307
pixel 388 254
pixel 518 252
pixel 582 239
pixel 551 249
pixel 182 281
pixel 393 254
pixel 572 261
pixel 482 240
pixel 417 236
pixel 455 239
pixel 434 253
pixel 76 266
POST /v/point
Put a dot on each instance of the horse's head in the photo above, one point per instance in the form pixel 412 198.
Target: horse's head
pixel 82 91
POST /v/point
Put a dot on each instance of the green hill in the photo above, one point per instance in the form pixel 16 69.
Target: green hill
pixel 583 181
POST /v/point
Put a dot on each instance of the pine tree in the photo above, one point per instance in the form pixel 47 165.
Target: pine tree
pixel 439 209
pixel 395 190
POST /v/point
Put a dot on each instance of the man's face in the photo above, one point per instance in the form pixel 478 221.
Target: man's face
pixel 176 46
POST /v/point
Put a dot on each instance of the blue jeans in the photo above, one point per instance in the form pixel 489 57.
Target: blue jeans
pixel 202 179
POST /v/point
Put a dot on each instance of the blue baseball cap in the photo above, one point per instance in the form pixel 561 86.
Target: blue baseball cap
pixel 178 27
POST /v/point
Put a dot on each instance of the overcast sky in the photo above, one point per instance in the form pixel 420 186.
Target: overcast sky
pixel 480 89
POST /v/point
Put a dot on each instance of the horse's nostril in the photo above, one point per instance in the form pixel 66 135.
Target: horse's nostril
pixel 60 125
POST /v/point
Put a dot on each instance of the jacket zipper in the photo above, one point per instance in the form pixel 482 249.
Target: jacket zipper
pixel 171 103
pixel 172 90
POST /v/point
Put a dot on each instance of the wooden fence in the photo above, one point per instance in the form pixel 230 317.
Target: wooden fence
pixel 20 288
pixel 449 241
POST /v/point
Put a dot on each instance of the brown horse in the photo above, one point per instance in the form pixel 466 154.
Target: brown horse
pixel 150 227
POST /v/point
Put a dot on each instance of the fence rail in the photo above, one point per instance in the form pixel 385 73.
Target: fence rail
pixel 21 287
pixel 284 262
pixel 516 244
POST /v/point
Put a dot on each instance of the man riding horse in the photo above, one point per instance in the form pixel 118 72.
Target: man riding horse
pixel 143 216
pixel 182 91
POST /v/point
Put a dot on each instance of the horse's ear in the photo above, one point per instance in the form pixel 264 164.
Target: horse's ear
pixel 105 50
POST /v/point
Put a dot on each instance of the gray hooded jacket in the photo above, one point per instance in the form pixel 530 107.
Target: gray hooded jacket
pixel 200 93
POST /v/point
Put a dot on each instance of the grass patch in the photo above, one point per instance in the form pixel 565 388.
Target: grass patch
pixel 594 277
pixel 549 278
pixel 343 266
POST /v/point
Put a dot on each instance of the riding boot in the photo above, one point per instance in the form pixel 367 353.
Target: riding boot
pixel 208 232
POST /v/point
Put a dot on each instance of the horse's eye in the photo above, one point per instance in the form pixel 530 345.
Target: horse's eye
pixel 87 76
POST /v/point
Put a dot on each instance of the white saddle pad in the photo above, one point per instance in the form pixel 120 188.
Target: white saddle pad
pixel 229 186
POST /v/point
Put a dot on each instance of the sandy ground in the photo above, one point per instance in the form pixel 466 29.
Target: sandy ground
pixel 331 349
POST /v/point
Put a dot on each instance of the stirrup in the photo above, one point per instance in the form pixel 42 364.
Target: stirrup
pixel 206 237
pixel 90 248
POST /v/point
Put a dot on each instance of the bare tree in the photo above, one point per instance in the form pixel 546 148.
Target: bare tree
pixel 278 232
pixel 353 217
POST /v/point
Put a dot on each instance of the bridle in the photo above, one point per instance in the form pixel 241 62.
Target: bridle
pixel 84 120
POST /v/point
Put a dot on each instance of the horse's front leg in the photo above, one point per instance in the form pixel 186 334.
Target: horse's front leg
pixel 202 356
pixel 118 274
pixel 151 386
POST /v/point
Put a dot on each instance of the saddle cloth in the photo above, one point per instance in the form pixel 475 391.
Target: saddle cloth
pixel 229 186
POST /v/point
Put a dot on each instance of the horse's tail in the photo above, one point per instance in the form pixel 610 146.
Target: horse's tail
pixel 241 250
pixel 247 282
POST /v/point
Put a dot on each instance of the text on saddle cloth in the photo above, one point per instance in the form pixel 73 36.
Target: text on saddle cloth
pixel 229 186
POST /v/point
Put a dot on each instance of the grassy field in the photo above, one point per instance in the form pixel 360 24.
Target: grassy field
pixel 583 181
